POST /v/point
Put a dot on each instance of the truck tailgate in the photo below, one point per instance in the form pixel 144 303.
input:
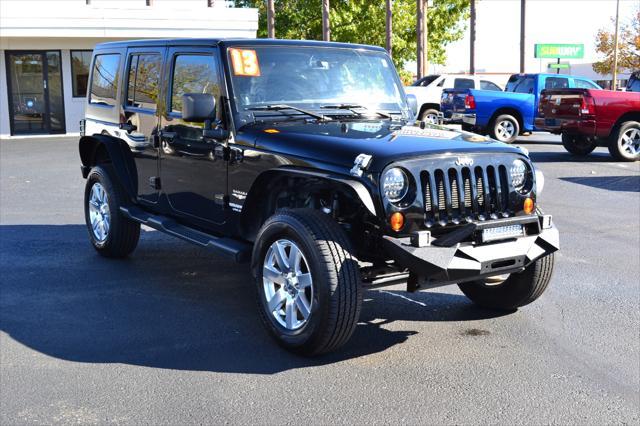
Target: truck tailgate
pixel 453 101
pixel 562 103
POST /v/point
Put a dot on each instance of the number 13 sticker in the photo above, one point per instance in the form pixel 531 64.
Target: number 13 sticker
pixel 245 62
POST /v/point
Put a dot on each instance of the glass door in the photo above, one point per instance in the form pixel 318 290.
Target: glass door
pixel 36 101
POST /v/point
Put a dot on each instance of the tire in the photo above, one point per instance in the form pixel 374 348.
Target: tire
pixel 578 145
pixel 430 116
pixel 120 236
pixel 517 290
pixel 624 142
pixel 334 290
pixel 505 128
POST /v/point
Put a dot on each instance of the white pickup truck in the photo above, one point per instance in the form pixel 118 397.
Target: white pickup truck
pixel 428 91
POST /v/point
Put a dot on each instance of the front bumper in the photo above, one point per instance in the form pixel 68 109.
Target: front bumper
pixel 468 261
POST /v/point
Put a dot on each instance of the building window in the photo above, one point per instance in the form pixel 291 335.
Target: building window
pixel 104 79
pixel 80 64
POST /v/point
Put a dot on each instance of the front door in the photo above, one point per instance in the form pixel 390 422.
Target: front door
pixel 36 103
pixel 193 175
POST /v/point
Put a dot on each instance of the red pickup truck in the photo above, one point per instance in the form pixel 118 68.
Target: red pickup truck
pixel 587 118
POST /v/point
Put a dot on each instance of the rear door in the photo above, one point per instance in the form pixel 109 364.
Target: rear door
pixel 139 122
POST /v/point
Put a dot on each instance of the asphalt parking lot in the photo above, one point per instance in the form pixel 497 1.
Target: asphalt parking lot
pixel 172 336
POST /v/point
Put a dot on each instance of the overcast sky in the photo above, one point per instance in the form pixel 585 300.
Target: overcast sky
pixel 547 21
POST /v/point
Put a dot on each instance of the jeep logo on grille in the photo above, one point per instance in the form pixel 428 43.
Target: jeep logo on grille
pixel 464 161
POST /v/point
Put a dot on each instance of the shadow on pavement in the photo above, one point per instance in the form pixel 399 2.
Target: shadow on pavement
pixel 610 183
pixel 171 305
pixel 565 157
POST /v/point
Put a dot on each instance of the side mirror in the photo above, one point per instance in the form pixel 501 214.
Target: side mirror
pixel 413 104
pixel 198 107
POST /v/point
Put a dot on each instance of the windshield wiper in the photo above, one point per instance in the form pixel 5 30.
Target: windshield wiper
pixel 354 107
pixel 281 107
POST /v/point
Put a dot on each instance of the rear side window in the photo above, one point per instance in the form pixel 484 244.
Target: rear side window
pixel 584 84
pixel 104 79
pixel 487 85
pixel 463 83
pixel 144 81
pixel 193 74
pixel 556 83
pixel 520 84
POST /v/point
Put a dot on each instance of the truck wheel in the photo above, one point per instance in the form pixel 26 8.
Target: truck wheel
pixel 111 234
pixel 430 116
pixel 517 290
pixel 308 283
pixel 624 143
pixel 578 145
pixel 505 128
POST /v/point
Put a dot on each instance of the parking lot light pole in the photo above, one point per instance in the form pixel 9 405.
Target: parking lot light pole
pixel 271 25
pixel 389 40
pixel 523 7
pixel 422 38
pixel 472 38
pixel 614 85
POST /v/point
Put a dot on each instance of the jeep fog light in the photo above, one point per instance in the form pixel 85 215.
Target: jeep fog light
pixel 395 184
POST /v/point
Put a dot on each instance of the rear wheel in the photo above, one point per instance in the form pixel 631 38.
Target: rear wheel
pixel 578 145
pixel 505 128
pixel 430 116
pixel 624 142
pixel 514 291
pixel 308 283
pixel 111 233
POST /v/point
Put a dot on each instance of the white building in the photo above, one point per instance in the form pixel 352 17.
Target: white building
pixel 45 49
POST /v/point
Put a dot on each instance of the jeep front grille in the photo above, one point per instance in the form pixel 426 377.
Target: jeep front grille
pixel 465 194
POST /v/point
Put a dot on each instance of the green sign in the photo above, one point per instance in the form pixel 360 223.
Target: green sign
pixel 566 51
pixel 558 66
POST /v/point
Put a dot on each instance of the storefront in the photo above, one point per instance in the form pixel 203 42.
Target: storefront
pixel 45 51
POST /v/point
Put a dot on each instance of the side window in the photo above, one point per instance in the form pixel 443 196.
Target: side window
pixel 463 83
pixel 487 85
pixel 193 74
pixel 556 83
pixel 144 81
pixel 104 79
pixel 525 85
pixel 584 84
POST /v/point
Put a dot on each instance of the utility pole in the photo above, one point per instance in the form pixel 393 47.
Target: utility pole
pixel 326 30
pixel 389 27
pixel 472 39
pixel 422 34
pixel 614 86
pixel 523 6
pixel 271 21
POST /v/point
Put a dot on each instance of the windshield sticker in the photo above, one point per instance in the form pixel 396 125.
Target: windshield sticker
pixel 245 62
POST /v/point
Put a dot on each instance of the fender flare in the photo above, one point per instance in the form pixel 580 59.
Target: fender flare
pixel 120 155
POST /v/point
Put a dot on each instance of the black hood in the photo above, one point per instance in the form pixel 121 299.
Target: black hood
pixel 339 143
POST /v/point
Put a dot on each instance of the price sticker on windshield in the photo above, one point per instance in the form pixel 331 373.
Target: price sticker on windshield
pixel 245 62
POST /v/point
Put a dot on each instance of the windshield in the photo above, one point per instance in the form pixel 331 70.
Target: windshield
pixel 314 78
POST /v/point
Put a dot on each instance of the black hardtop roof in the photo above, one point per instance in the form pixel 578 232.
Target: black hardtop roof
pixel 227 42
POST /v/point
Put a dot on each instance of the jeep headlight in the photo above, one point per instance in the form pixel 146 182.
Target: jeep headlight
pixel 395 184
pixel 521 178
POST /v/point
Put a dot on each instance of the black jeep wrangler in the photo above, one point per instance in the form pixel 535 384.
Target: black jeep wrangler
pixel 303 158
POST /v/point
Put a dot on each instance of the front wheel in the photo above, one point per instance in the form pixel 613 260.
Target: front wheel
pixel 513 292
pixel 505 128
pixel 624 142
pixel 578 145
pixel 308 282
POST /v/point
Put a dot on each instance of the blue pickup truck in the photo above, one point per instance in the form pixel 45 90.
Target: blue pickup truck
pixel 505 115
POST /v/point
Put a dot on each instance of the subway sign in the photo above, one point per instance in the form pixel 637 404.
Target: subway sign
pixel 563 51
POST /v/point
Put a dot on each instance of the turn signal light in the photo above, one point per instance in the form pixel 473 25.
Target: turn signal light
pixel 528 205
pixel 396 221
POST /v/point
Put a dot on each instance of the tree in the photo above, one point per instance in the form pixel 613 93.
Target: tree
pixel 363 21
pixel 628 47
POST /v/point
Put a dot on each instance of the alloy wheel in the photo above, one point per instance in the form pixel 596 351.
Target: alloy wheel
pixel 287 284
pixel 99 214
pixel 505 130
pixel 630 141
